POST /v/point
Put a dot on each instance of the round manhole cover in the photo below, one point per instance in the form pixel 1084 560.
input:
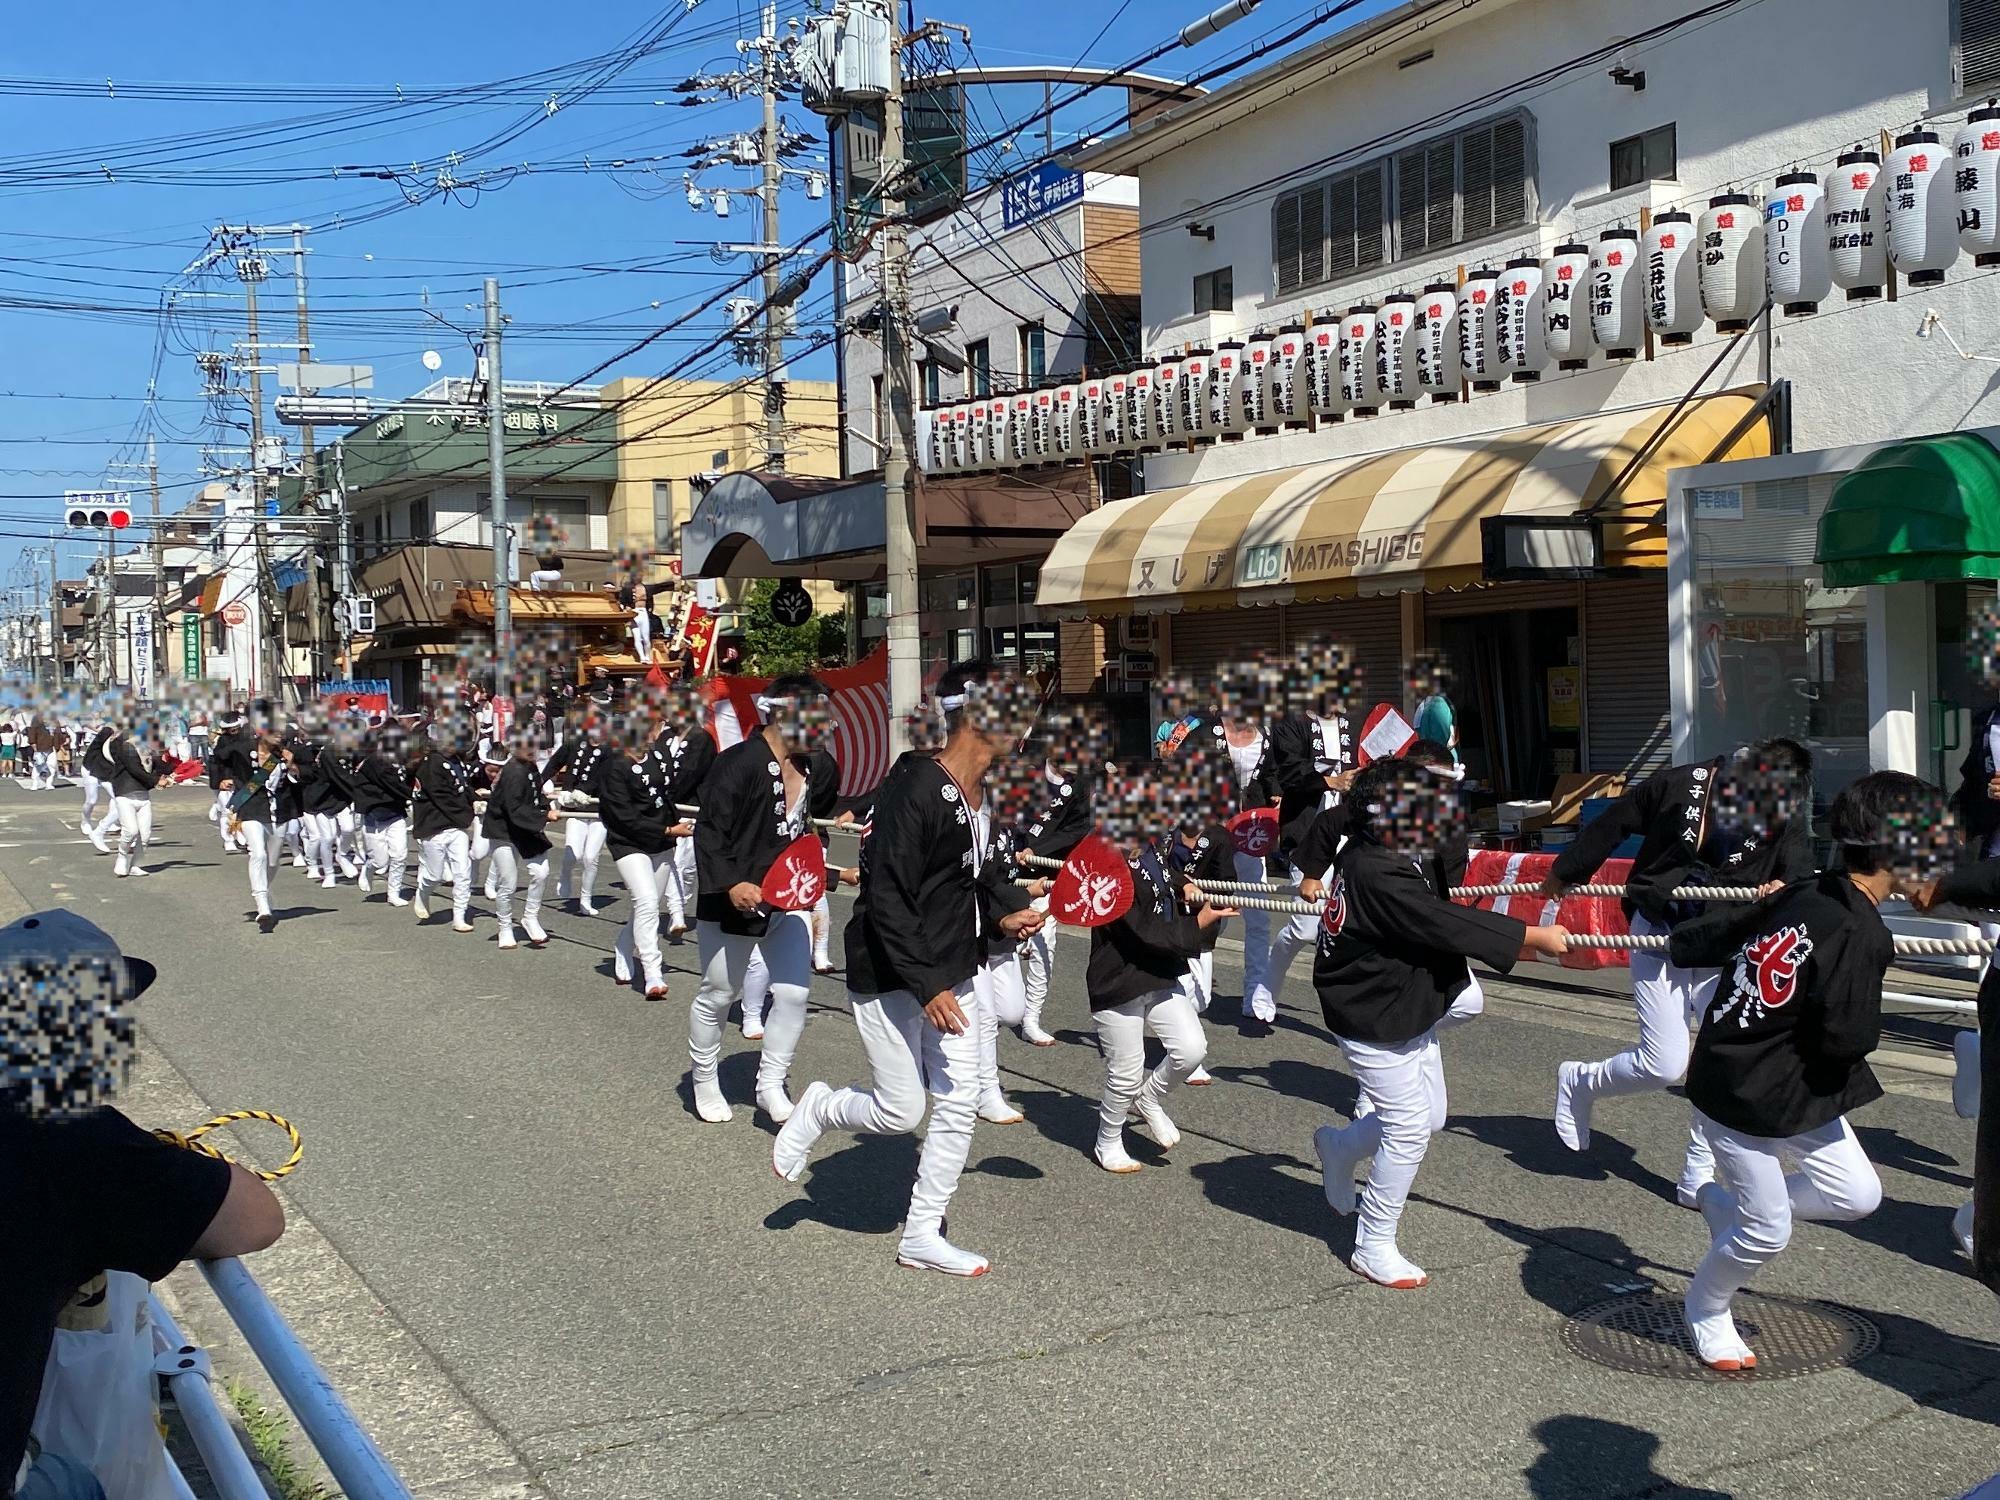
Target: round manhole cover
pixel 1646 1335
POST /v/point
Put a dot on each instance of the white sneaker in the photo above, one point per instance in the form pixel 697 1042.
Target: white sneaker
pixel 418 908
pixel 753 1028
pixel 397 898
pixel 1200 1078
pixel 709 1103
pixel 458 926
pixel 1113 1157
pixel 933 1252
pixel 586 908
pixel 776 1103
pixel 122 868
pixel 139 869
pixel 537 938
pixel 97 841
pixel 367 886
pixel 491 891
pixel 328 883
pixel 298 861
pixel 352 871
pixel 997 1109
pixel 1572 1107
pixel 1965 1081
pixel 1961 1228
pixel 1385 1265
pixel 1336 1165
pixel 507 938
pixel 1166 1135
pixel 1261 1005
pixel 1033 1035
pixel 795 1141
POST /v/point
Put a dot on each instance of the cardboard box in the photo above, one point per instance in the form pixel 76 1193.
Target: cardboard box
pixel 1565 805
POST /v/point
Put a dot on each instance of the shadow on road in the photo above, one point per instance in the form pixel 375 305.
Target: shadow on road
pixel 864 1189
pixel 1329 1088
pixel 1588 1458
pixel 1889 1148
pixel 1530 1141
pixel 1270 1189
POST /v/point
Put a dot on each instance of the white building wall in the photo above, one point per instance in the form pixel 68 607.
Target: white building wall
pixel 1754 91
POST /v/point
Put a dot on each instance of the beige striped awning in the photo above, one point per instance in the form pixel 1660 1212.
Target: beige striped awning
pixel 1386 522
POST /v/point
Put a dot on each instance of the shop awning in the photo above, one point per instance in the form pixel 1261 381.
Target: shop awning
pixel 1925 509
pixel 1387 522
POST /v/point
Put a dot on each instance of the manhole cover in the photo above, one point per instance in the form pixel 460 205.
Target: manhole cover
pixel 1646 1335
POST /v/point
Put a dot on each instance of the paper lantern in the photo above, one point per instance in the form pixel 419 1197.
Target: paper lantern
pixel 1856 252
pixel 1140 416
pixel 979 447
pixel 1000 411
pixel 1113 420
pixel 1517 320
pixel 1021 428
pixel 1478 332
pixel 930 443
pixel 1673 277
pixel 1732 261
pixel 1323 388
pixel 1435 339
pixel 1920 215
pixel 1617 317
pixel 1285 378
pixel 1976 184
pixel 1167 400
pixel 1225 403
pixel 1042 425
pixel 958 437
pixel 1064 440
pixel 1090 417
pixel 1566 306
pixel 1797 272
pixel 1395 360
pixel 1357 359
pixel 1197 380
pixel 1253 379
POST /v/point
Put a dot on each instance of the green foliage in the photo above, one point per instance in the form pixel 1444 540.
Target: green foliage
pixel 771 649
pixel 270 1434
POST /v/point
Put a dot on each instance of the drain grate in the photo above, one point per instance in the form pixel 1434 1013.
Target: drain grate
pixel 1645 1335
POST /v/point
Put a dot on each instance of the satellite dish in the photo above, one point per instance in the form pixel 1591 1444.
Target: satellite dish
pixel 433 361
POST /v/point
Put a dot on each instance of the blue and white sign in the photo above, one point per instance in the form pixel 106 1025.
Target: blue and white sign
pixel 1038 192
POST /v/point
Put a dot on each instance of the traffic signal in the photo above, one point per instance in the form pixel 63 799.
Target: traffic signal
pixel 86 510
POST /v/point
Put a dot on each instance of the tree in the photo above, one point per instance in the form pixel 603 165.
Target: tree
pixel 771 649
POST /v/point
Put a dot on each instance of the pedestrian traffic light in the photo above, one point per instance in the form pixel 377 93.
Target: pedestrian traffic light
pixel 95 510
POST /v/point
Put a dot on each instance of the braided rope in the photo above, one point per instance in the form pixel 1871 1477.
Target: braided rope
pixel 192 1141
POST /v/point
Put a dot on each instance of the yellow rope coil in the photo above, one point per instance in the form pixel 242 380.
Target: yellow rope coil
pixel 192 1141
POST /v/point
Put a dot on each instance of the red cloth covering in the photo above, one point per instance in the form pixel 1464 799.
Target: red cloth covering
pixel 1597 916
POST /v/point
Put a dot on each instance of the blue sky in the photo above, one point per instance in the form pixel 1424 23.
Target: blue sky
pixel 590 260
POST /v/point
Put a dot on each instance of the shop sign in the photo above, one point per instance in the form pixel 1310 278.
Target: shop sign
pixel 1565 698
pixel 1722 504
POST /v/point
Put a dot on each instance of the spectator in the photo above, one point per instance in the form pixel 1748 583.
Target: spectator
pixel 8 765
pixel 198 736
pixel 87 1190
pixel 44 740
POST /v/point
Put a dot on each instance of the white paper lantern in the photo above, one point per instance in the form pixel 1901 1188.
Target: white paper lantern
pixel 1673 277
pixel 979 450
pixel 1090 417
pixel 1921 216
pixel 1042 425
pixel 1478 329
pixel 929 459
pixel 1225 404
pixel 1285 378
pixel 1140 415
pixel 1732 261
pixel 1115 437
pixel 1167 400
pixel 1433 342
pixel 1617 310
pixel 1197 381
pixel 1856 248
pixel 1976 184
pixel 1323 391
pixel 1566 306
pixel 1357 359
pixel 1021 428
pixel 952 440
pixel 1517 320
pixel 1797 272
pixel 1395 355
pixel 1064 440
pixel 1000 420
pixel 1251 378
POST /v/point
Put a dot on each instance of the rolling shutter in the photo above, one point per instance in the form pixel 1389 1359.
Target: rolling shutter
pixel 1977 36
pixel 1201 641
pixel 1371 628
pixel 1626 713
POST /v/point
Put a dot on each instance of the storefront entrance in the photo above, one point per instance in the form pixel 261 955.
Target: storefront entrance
pixel 1517 677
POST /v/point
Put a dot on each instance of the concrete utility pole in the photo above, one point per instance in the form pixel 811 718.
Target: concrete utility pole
pixel 774 315
pixel 906 668
pixel 159 634
pixel 496 462
pixel 343 552
pixel 319 606
pixel 55 624
pixel 251 268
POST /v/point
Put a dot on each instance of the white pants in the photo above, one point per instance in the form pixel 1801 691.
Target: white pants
pixel 42 775
pixel 446 857
pixel 261 842
pixel 385 843
pixel 1002 992
pixel 92 790
pixel 1256 929
pixel 322 844
pixel 508 863
pixel 1198 984
pixel 1038 966
pixel 1832 1179
pixel 583 844
pixel 220 818
pixel 1670 999
pixel 822 932
pixel 292 836
pixel 906 1057
pixel 1405 1086
pixel 1300 932
pixel 642 874
pixel 786 947
pixel 1170 1015
pixel 135 826
pixel 680 884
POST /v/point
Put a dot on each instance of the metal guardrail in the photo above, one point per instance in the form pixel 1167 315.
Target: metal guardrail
pixel 185 1368
pixel 349 1454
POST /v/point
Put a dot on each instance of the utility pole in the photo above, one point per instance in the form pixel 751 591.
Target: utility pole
pixel 343 552
pixel 774 315
pixel 251 268
pixel 159 632
pixel 55 623
pixel 319 604
pixel 906 669
pixel 496 463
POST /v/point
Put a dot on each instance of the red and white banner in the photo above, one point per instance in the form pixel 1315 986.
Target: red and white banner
pixel 1093 887
pixel 797 877
pixel 698 639
pixel 1599 916
pixel 1254 831
pixel 860 709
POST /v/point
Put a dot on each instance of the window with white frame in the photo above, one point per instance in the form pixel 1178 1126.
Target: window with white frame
pixel 1412 202
pixel 666 526
pixel 1975 45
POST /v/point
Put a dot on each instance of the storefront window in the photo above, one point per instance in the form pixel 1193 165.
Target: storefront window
pixel 964 645
pixel 1003 642
pixel 1776 651
pixel 1001 585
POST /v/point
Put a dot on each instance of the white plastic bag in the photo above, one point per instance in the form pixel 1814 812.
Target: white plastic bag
pixel 99 1404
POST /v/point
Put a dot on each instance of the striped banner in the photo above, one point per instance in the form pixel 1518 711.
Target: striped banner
pixel 860 708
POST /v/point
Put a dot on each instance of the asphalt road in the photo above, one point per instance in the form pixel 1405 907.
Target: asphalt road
pixel 535 1272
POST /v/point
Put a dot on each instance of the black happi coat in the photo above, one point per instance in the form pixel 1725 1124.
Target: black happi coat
pixel 1064 821
pixel 251 799
pixel 1444 868
pixel 1783 1047
pixel 1304 751
pixel 218 755
pixel 381 787
pixel 632 800
pixel 999 894
pixel 1392 952
pixel 329 785
pixel 1680 845
pixel 743 826
pixel 917 922
pixel 688 757
pixel 1210 857
pixel 576 764
pixel 130 775
pixel 1148 948
pixel 1261 790
pixel 443 795
pixel 517 811
pixel 96 757
pixel 1979 885
pixel 287 795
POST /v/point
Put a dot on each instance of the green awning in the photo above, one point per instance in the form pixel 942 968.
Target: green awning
pixel 1925 509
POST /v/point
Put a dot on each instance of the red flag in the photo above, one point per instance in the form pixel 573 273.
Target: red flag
pixel 655 678
pixel 1385 733
pixel 1093 887
pixel 1254 831
pixel 797 878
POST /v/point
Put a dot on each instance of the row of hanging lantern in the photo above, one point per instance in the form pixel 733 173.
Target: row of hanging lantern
pixel 1917 212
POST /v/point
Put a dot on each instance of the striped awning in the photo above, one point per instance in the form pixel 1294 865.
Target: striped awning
pixel 1387 522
